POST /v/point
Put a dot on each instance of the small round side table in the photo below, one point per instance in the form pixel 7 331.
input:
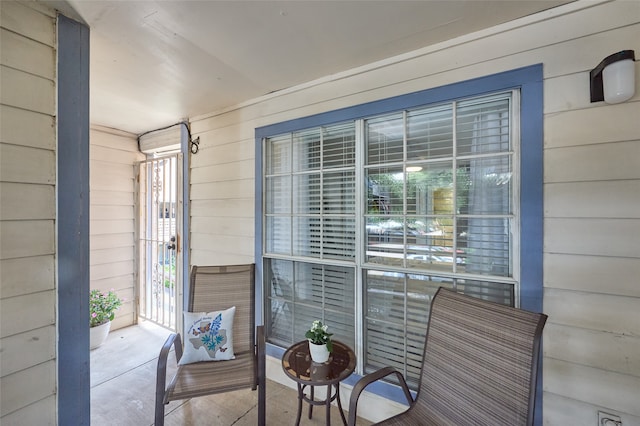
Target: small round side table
pixel 297 364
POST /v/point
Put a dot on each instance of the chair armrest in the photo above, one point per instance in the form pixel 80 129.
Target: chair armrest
pixel 366 381
pixel 161 371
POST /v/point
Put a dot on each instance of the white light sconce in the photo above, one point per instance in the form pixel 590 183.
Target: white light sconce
pixel 613 80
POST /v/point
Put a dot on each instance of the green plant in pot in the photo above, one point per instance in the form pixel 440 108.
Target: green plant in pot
pixel 102 310
pixel 320 345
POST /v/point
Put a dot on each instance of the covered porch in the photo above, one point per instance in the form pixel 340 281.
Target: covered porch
pixel 123 376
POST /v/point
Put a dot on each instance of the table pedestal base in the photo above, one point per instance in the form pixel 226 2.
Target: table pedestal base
pixel 331 396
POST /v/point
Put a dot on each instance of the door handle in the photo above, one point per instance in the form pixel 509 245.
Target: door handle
pixel 172 244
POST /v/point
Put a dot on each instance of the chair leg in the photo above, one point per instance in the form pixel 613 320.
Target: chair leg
pixel 159 418
pixel 262 377
pixel 262 405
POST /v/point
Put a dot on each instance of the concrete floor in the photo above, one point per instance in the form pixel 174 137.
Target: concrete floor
pixel 123 374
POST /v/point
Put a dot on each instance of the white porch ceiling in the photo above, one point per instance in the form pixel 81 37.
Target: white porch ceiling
pixel 154 63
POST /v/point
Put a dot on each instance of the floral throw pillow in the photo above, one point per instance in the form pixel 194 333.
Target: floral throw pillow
pixel 208 336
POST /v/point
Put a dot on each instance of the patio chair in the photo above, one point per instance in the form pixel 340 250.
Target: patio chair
pixel 217 288
pixel 479 366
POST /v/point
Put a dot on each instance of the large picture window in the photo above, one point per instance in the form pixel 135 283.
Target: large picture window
pixel 364 218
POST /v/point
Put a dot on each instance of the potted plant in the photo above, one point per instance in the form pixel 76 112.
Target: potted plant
pixel 102 310
pixel 320 344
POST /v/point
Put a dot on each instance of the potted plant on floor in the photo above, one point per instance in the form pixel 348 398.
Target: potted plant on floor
pixel 102 309
pixel 320 345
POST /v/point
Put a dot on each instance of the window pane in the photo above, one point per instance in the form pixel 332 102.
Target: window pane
pixel 338 238
pixel 484 186
pixel 483 127
pixel 278 195
pixel 494 292
pixel 323 292
pixel 307 235
pixel 278 235
pixel 279 279
pixel 430 133
pixel 382 341
pixel 339 146
pixel 338 192
pixel 396 319
pixel 303 318
pixel 431 246
pixel 385 190
pixel 306 190
pixel 306 150
pixel 385 240
pixel 339 304
pixel 430 190
pixel 385 296
pixel 384 139
pixel 486 243
pixel 278 155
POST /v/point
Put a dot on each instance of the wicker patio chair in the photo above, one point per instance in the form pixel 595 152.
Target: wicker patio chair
pixel 479 366
pixel 216 288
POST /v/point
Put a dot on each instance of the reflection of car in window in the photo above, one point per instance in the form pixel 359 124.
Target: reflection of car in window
pixel 424 241
pixel 392 229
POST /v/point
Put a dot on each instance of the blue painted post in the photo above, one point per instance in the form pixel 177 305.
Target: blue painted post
pixel 73 223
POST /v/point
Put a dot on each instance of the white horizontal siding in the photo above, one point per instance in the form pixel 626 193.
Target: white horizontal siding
pixel 110 240
pixel 243 169
pixel 591 163
pixel 27 91
pixel 567 411
pixel 32 347
pixel 27 165
pixel 27 55
pixel 605 351
pixel 110 212
pixel 115 226
pixel 595 386
pixel 593 273
pixel 239 188
pixel 615 199
pixel 223 208
pixel 227 226
pixel 24 238
pixel 26 275
pixel 234 244
pixel 32 21
pixel 595 125
pixel 227 153
pixel 113 155
pixel 27 201
pixel 625 155
pixel 109 255
pixel 112 198
pixel 27 128
pixel 605 237
pixel 27 312
pixel 594 311
pixel 38 413
pixel 26 387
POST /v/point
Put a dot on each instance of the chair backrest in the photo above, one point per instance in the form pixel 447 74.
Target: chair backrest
pixel 480 362
pixel 216 288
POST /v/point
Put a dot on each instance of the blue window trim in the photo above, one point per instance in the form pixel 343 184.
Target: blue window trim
pixel 530 82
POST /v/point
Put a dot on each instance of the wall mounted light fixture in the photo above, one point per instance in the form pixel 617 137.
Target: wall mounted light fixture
pixel 613 80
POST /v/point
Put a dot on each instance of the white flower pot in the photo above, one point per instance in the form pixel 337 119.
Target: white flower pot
pixel 319 353
pixel 98 334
